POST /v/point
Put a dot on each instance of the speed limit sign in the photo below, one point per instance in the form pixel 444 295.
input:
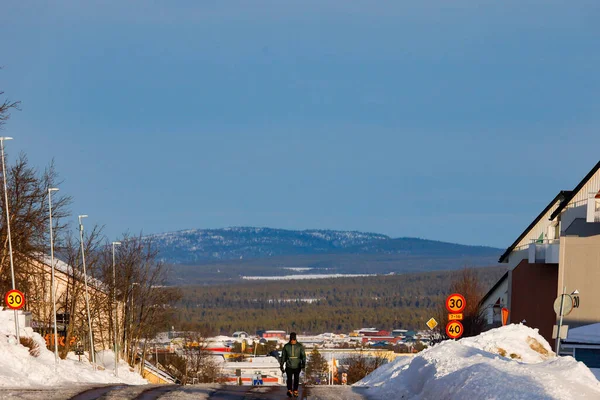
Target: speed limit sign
pixel 455 303
pixel 454 329
pixel 14 299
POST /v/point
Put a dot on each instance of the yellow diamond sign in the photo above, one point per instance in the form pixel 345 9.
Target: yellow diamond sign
pixel 432 323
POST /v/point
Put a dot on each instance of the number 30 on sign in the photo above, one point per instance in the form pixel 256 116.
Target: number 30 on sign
pixel 454 329
pixel 14 299
pixel 455 303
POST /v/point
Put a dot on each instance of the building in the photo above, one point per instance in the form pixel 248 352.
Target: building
pixel 245 372
pixel 583 344
pixel 492 303
pixel 558 252
pixel 69 287
pixel 399 332
pixel 273 335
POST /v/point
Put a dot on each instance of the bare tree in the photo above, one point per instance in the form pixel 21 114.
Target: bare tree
pixel 467 283
pixel 72 302
pixel 28 201
pixel 5 107
pixel 361 365
pixel 200 365
pixel 144 302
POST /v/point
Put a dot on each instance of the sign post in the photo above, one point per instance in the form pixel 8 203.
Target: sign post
pixel 563 305
pixel 455 304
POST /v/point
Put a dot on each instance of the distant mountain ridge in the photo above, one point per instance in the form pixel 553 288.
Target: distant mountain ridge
pixel 199 246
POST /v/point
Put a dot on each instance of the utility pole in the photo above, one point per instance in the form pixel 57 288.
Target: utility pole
pixel 87 299
pixel 115 307
pixel 10 252
pixel 53 284
pixel 560 319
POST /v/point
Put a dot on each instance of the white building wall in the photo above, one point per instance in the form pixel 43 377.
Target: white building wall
pixel 543 226
pixel 578 206
pixel 500 293
pixel 581 198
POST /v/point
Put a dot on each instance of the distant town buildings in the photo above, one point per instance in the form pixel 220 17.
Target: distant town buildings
pixel 245 368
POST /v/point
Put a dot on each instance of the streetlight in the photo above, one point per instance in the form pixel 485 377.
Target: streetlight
pixel 87 299
pixel 131 321
pixel 115 303
pixel 53 283
pixel 12 268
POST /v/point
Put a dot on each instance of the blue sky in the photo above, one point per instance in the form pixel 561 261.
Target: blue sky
pixel 456 121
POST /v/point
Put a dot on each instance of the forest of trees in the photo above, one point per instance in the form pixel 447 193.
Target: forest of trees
pixel 322 305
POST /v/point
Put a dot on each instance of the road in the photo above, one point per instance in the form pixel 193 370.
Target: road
pixel 176 392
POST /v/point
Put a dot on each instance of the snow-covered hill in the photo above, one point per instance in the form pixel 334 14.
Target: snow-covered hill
pixel 20 368
pixel 202 245
pixel 511 362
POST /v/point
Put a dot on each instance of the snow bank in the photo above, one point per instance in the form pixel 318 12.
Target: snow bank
pixel 18 368
pixel 512 362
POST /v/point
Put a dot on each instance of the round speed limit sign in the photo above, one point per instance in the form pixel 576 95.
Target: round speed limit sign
pixel 454 329
pixel 455 303
pixel 14 299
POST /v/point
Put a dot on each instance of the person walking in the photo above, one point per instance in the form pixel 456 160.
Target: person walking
pixel 293 357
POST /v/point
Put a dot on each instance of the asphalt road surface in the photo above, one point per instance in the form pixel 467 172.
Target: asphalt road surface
pixel 176 392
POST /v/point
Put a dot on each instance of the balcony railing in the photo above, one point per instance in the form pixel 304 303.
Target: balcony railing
pixel 544 251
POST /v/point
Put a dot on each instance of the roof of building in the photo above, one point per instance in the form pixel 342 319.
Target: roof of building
pixel 496 285
pixel 588 334
pixel 563 195
pixel 574 192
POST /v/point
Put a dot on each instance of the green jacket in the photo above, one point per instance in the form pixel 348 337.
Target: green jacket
pixel 293 356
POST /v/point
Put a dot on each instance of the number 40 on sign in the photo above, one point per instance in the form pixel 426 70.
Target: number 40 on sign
pixel 454 329
pixel 14 299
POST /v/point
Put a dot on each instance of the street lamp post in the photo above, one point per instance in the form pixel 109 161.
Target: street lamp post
pixel 115 305
pixel 53 283
pixel 87 298
pixel 130 329
pixel 12 267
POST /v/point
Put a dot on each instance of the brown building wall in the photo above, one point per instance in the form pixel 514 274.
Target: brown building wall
pixel 532 296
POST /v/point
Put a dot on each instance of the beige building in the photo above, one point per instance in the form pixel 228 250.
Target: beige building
pixel 69 289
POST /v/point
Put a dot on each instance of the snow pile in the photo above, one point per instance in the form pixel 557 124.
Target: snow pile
pixel 19 368
pixel 512 362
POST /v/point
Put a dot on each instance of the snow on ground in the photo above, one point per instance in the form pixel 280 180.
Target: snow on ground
pixel 511 362
pixel 18 368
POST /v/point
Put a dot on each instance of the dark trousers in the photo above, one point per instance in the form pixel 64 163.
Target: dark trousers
pixel 295 373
